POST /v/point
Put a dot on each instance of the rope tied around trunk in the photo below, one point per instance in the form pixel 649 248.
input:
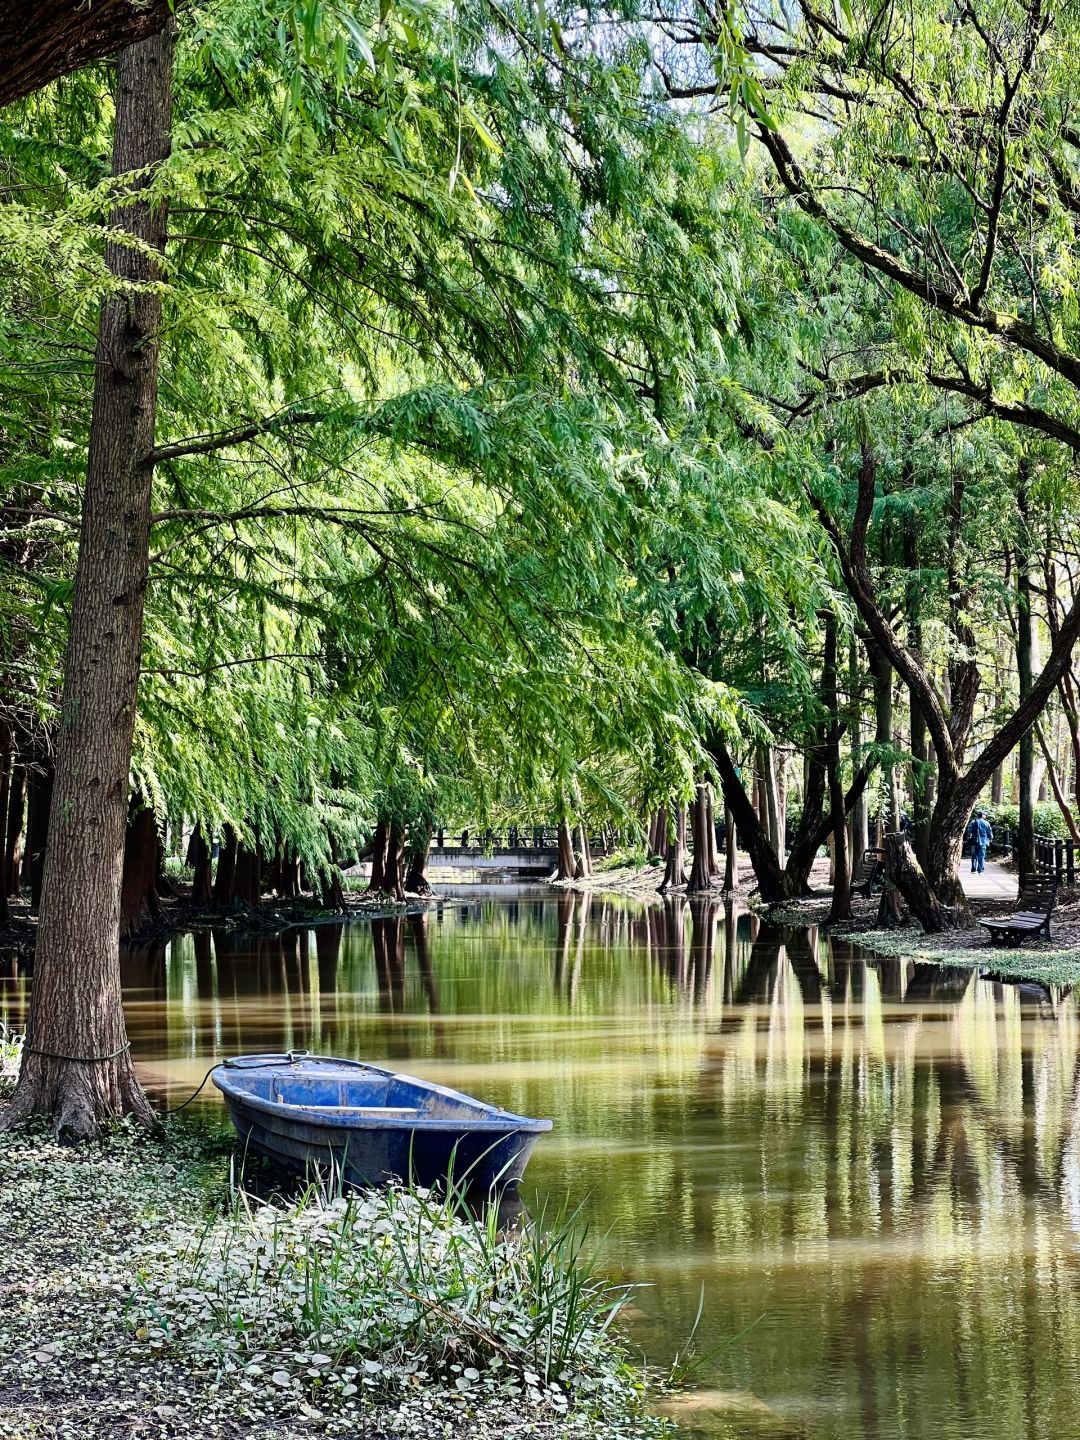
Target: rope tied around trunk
pixel 76 1059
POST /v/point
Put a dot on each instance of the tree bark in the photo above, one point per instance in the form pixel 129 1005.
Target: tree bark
pixel 12 867
pixel 76 1060
pixel 225 879
pixel 7 765
pixel 767 869
pixel 395 858
pixel 674 868
pixel 247 880
pixel 416 882
pixel 379 846
pixel 565 869
pixel 840 909
pixel 41 40
pixel 39 791
pixel 1024 848
pixel 582 857
pixel 700 874
pixel 139 903
pixel 731 852
pixel 905 872
pixel 199 860
pixel 949 724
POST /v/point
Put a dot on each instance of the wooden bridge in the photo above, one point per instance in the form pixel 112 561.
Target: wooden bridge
pixel 522 850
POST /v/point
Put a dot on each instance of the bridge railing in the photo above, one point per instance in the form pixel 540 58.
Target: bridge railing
pixel 514 837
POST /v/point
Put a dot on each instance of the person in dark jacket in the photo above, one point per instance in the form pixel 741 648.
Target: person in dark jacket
pixel 978 834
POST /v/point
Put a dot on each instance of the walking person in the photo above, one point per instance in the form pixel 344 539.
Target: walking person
pixel 981 833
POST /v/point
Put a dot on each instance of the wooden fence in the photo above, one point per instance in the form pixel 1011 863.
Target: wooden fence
pixel 1056 857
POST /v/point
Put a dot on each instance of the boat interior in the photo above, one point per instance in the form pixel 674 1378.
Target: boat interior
pixel 355 1091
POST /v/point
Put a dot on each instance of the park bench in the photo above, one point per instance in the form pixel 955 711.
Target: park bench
pixel 1036 905
pixel 869 873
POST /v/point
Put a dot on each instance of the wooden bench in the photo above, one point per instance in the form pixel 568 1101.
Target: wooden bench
pixel 869 873
pixel 1032 918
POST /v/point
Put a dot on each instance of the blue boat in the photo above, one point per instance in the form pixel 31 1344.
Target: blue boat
pixel 372 1126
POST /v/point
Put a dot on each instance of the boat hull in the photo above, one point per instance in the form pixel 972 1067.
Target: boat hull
pixel 369 1126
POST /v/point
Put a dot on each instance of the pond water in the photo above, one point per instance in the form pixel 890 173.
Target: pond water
pixel 867 1171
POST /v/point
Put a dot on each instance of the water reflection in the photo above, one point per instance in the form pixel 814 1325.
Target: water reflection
pixel 872 1168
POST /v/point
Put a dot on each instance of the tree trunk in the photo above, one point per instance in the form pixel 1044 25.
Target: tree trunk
pixel 7 765
pixel 225 879
pixel 700 875
pixel 247 881
pixel 840 908
pixel 1055 785
pixel 566 852
pixel 331 891
pixel 76 1060
pixel 416 882
pixel 379 846
pixel 41 40
pixel 39 793
pixel 139 903
pixel 731 852
pixel 767 869
pixel 199 860
pixel 1024 848
pixel 674 868
pixel 395 861
pixel 905 872
pixel 582 857
pixel 713 859
pixel 860 835
pixel 12 860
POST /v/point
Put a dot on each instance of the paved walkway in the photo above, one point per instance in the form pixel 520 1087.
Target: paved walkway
pixel 995 883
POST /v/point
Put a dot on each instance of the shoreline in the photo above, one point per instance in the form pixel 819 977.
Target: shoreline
pixel 128 1265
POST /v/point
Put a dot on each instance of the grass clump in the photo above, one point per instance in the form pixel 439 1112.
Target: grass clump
pixel 371 1297
pixel 1052 964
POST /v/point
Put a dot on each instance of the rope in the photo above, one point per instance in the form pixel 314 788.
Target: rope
pixel 76 1059
pixel 172 1109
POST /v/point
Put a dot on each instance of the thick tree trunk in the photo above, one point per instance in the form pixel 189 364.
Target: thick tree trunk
pixel 379 846
pixel 139 903
pixel 199 860
pixel 247 882
pixel 416 882
pixel 12 860
pixel 225 879
pixel 41 40
pixel 76 1060
pixel 700 874
pixel 921 894
pixel 39 793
